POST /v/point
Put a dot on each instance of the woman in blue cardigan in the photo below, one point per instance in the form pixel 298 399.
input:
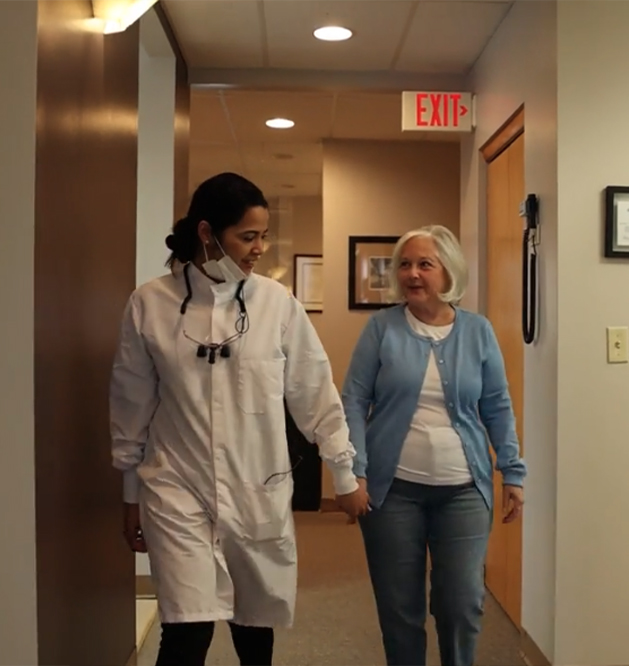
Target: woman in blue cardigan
pixel 425 389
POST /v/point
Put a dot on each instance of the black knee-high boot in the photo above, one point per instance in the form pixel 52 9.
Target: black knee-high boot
pixel 185 643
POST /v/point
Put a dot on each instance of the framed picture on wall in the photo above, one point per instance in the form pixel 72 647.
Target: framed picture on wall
pixel 308 281
pixel 369 266
pixel 617 222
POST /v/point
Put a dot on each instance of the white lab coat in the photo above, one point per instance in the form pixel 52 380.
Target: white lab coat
pixel 199 443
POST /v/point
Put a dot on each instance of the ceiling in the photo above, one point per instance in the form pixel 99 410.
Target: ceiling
pixel 250 60
pixel 228 133
pixel 428 36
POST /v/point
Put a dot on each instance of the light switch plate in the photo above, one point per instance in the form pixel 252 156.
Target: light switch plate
pixel 617 344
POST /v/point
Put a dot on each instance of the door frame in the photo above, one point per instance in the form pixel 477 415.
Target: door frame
pixel 498 143
pixel 506 134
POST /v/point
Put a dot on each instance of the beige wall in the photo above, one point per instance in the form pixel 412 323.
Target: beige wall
pixel 519 67
pixel 376 188
pixel 18 583
pixel 566 62
pixel 295 227
pixel 268 263
pixel 307 235
pixel 592 584
pixel 307 225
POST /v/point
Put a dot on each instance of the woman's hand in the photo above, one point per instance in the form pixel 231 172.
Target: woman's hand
pixel 357 503
pixel 512 503
pixel 132 529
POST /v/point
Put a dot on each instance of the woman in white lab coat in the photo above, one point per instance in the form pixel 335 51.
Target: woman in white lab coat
pixel 206 358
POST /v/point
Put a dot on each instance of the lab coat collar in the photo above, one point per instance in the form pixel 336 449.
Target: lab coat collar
pixel 203 285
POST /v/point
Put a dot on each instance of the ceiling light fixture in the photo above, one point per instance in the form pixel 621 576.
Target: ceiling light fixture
pixel 280 123
pixel 118 15
pixel 333 33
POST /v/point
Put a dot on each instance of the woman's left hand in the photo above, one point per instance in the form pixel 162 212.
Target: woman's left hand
pixel 512 503
pixel 356 503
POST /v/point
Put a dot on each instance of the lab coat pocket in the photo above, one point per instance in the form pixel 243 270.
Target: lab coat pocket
pixel 267 510
pixel 260 385
pixel 152 467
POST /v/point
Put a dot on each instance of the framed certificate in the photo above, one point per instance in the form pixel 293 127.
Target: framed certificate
pixel 617 222
pixel 308 281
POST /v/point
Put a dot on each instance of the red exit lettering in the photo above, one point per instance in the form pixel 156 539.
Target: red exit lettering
pixel 443 110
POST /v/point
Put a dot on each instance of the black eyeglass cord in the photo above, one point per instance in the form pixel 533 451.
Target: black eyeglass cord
pixel 242 322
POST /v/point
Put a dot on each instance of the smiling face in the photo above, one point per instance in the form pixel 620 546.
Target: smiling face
pixel 421 275
pixel 244 242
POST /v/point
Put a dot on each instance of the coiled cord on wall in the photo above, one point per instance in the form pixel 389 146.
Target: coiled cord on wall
pixel 529 272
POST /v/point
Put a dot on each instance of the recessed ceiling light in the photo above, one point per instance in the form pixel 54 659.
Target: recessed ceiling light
pixel 280 123
pixel 332 33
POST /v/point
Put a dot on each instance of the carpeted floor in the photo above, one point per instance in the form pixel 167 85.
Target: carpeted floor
pixel 336 622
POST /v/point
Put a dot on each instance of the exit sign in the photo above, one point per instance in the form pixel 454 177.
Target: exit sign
pixel 437 112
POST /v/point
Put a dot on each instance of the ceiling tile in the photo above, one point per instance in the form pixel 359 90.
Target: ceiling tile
pixel 378 26
pixel 283 158
pixel 449 35
pixel 218 33
pixel 259 153
pixel 370 116
pixel 208 159
pixel 311 112
pixel 273 186
pixel 445 36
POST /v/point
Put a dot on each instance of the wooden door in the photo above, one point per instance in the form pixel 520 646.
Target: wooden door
pixel 505 192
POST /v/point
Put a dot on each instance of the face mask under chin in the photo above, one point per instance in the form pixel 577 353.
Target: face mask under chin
pixel 224 269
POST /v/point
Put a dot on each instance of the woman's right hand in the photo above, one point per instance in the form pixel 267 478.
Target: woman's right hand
pixel 132 529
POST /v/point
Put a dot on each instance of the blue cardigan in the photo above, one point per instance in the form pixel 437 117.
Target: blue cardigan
pixel 382 388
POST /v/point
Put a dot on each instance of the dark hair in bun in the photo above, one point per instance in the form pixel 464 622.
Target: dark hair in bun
pixel 222 202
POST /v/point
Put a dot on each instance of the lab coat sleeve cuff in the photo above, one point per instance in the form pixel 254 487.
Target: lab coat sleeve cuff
pixel 131 486
pixel 344 479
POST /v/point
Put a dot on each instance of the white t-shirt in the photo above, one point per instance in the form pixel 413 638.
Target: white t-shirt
pixel 432 452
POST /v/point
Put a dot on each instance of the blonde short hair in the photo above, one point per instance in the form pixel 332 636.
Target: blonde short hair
pixel 450 255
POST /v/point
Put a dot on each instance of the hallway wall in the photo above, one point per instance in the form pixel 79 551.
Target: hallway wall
pixel 382 189
pixel 592 585
pixel 85 243
pixel 307 225
pixel 376 188
pixel 163 149
pixel 520 67
pixel 156 157
pixel 307 237
pixel 567 62
pixel 182 130
pixel 18 67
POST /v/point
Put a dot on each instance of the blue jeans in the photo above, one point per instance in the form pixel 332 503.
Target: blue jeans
pixel 453 524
